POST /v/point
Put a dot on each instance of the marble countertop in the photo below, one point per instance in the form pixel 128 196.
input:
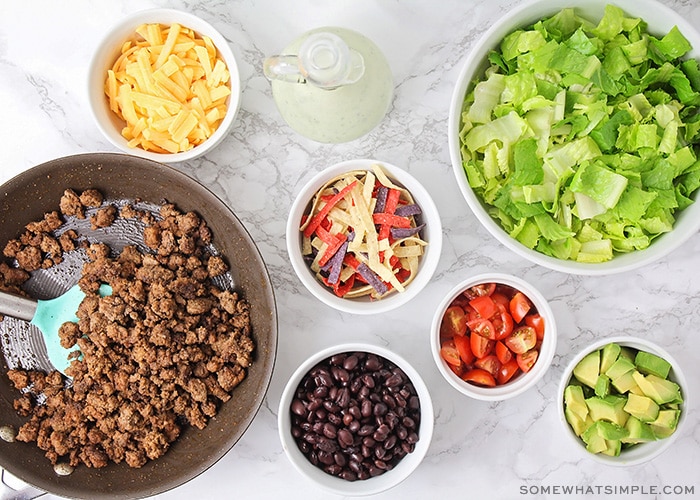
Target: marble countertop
pixel 511 449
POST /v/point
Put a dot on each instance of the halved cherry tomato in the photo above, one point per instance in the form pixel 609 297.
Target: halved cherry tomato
pixel 449 353
pixel 522 339
pixel 480 290
pixel 500 298
pixel 537 322
pixel 454 322
pixel 489 363
pixel 484 305
pixel 519 306
pixel 527 359
pixel 464 349
pixel 502 322
pixel 471 313
pixel 507 371
pixel 457 370
pixel 503 353
pixel 481 346
pixel 479 377
pixel 483 327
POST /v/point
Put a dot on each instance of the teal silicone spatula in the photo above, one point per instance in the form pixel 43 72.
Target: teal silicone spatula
pixel 48 316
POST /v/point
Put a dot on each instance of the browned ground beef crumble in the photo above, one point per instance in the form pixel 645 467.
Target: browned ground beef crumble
pixel 165 350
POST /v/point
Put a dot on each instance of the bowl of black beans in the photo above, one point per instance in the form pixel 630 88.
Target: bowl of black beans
pixel 356 419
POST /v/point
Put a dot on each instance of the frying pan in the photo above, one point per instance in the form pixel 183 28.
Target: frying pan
pixel 27 197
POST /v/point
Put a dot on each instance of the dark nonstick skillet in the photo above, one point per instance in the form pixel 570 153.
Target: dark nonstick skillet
pixel 26 198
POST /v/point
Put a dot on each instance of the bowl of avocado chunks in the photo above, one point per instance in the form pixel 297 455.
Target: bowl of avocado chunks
pixel 623 400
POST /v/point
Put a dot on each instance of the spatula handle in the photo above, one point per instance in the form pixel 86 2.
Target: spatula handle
pixel 16 306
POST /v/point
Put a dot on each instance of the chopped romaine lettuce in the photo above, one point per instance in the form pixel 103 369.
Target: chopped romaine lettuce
pixel 582 139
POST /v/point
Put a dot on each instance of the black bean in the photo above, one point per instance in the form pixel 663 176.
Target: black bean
pixel 343 397
pixel 345 438
pixel 365 430
pixel 298 408
pixel 402 432
pixel 350 362
pixel 340 458
pixel 355 415
pixel 330 431
pixel 372 364
pixel 380 409
pixel 348 475
pixel 333 469
pixel 366 408
pixel 325 458
pixel 337 359
pixel 390 442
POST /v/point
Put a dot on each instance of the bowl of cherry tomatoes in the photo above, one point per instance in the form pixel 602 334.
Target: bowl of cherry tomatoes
pixel 493 336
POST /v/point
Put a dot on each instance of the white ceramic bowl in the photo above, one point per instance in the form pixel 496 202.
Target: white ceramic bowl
pixel 432 233
pixel 642 452
pixel 520 382
pixel 375 484
pixel 109 49
pixel 660 20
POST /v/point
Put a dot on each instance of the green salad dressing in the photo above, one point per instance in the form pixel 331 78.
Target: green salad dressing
pixel 322 107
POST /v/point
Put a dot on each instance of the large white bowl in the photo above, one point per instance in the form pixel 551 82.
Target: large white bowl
pixel 660 20
pixel 372 485
pixel 432 233
pixel 522 381
pixel 642 452
pixel 109 49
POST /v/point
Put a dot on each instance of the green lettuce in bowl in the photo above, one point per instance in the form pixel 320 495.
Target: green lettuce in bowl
pixel 580 139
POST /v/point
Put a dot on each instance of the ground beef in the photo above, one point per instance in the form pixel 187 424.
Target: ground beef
pixel 104 217
pixel 70 204
pixel 163 351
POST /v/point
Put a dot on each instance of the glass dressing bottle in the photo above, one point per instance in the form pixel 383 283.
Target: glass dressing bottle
pixel 331 85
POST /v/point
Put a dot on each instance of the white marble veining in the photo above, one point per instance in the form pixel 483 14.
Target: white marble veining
pixel 511 449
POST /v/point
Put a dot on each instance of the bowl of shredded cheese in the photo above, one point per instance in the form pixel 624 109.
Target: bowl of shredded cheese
pixel 164 85
pixel 364 236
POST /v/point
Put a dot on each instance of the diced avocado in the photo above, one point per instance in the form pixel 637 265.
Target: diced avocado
pixel 608 356
pixel 595 439
pixel 635 390
pixel 595 443
pixel 578 425
pixel 642 407
pixel 628 353
pixel 613 448
pixel 611 431
pixel 602 386
pixel 624 383
pixel 649 363
pixel 619 368
pixel 638 431
pixel 610 408
pixel 587 370
pixel 665 424
pixel 575 401
pixel 659 389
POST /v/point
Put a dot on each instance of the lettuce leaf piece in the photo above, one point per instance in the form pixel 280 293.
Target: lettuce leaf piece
pixel 506 129
pixel 598 182
pixel 673 45
pixel 528 166
pixel 605 134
